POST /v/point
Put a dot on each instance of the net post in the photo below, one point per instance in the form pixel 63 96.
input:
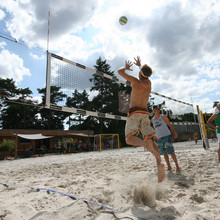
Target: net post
pixel 118 142
pixel 48 76
pixel 205 131
pixel 202 127
pixel 100 142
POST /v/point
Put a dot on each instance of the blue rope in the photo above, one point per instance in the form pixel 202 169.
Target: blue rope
pixel 76 198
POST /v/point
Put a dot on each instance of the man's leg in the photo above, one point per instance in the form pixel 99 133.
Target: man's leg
pixel 153 148
pixel 160 165
pixel 219 153
pixel 148 144
pixel 166 157
pixel 135 141
pixel 175 161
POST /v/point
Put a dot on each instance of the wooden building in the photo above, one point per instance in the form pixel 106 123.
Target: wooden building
pixel 50 139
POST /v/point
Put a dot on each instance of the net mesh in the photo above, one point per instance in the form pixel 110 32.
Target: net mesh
pixel 124 100
pixel 171 108
pixel 70 76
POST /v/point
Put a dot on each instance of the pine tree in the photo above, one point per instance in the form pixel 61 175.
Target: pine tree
pixel 52 119
pixel 79 101
pixel 16 113
pixel 106 101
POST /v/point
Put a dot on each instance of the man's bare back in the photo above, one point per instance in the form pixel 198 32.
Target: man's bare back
pixel 141 87
pixel 140 93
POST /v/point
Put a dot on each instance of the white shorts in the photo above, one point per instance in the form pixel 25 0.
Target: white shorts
pixel 218 136
pixel 138 121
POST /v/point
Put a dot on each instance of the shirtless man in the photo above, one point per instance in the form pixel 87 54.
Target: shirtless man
pixel 216 119
pixel 138 116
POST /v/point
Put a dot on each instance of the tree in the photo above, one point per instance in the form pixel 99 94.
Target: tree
pixel 19 116
pixel 7 89
pixel 107 89
pixel 106 101
pixel 79 101
pixel 15 111
pixel 52 119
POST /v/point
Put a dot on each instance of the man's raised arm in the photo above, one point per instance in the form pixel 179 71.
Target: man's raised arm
pixel 122 72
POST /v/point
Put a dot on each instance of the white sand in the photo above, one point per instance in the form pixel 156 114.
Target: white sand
pixel 124 180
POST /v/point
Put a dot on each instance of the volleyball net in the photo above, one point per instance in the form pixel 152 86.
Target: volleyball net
pixel 74 79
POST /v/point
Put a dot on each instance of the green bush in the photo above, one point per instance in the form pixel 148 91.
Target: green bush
pixel 7 145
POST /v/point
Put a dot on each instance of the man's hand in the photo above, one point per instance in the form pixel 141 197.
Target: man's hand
pixel 128 65
pixel 137 61
pixel 128 77
pixel 175 134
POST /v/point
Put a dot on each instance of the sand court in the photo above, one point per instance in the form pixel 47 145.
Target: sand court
pixel 116 184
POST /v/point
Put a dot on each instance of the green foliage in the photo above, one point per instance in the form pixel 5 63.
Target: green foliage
pixel 105 101
pixel 79 101
pixel 52 119
pixel 7 145
pixel 15 113
pixel 56 95
pixel 7 87
pixel 190 117
pixel 17 116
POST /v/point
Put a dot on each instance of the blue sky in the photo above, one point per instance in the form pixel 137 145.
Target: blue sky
pixel 178 39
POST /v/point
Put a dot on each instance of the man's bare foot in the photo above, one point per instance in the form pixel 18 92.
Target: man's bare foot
pixel 161 173
pixel 178 170
pixel 169 169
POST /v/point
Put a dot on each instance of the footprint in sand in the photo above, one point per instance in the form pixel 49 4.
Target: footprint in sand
pixel 197 198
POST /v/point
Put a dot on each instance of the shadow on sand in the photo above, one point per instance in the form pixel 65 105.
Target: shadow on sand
pixel 181 180
pixel 168 213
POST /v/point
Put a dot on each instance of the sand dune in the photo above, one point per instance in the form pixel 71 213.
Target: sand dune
pixel 124 181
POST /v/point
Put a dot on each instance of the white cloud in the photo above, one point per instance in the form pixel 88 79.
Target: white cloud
pixel 30 18
pixel 2 44
pixel 2 14
pixel 36 57
pixel 181 40
pixel 11 66
pixel 178 39
pixel 37 99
